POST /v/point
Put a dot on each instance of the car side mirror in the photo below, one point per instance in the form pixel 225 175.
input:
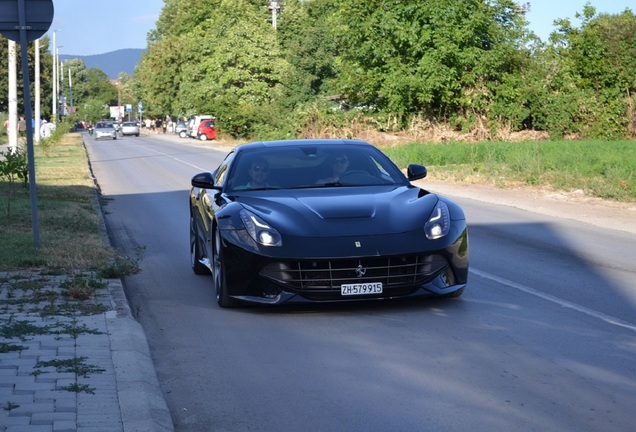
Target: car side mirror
pixel 204 180
pixel 416 172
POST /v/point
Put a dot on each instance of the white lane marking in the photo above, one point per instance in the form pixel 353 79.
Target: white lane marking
pixel 174 158
pixel 564 303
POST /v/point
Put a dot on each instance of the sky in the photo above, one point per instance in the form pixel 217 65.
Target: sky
pixel 543 12
pixel 88 27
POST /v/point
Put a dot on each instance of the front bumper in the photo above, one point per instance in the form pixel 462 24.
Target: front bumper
pixel 254 277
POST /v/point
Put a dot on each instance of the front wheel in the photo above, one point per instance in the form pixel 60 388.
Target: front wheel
pixel 182 134
pixel 203 137
pixel 195 251
pixel 218 266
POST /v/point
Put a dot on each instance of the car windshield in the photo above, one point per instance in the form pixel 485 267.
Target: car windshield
pixel 312 167
pixel 104 125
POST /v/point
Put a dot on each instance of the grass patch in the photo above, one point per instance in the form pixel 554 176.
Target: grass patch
pixel 601 169
pixel 69 222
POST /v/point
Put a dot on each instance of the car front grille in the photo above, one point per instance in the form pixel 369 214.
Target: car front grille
pixel 328 275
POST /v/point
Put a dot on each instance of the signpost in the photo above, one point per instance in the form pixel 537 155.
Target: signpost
pixel 24 21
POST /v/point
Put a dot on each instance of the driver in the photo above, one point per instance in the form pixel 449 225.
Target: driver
pixel 258 172
pixel 339 165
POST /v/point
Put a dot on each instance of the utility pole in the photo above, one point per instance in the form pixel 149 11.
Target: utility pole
pixel 119 116
pixel 37 92
pixel 13 96
pixel 62 90
pixel 275 6
pixel 54 115
pixel 70 88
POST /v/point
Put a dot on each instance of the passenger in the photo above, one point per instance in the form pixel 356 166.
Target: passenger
pixel 339 165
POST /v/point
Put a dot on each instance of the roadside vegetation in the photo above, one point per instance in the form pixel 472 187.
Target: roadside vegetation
pixel 602 169
pixel 70 234
pixel 471 68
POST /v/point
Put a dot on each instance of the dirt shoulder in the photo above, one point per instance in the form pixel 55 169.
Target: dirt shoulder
pixel 567 205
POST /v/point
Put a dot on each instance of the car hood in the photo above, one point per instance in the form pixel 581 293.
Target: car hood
pixel 342 211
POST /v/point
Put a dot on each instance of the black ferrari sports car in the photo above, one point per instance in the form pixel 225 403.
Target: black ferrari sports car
pixel 323 220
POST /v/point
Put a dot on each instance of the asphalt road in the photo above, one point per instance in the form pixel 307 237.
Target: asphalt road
pixel 544 338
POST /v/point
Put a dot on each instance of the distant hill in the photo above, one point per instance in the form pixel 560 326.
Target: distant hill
pixel 112 63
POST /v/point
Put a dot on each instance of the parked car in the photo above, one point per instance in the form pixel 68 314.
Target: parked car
pixel 181 129
pixel 323 220
pixel 105 129
pixel 206 130
pixel 130 128
pixel 196 121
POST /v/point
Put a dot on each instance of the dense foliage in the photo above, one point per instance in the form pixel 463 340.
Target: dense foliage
pixel 464 64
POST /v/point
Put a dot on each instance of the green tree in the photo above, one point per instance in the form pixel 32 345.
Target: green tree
pixel 432 56
pixel 310 46
pixel 599 61
pixel 222 58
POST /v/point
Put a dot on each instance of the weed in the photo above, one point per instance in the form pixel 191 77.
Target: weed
pixel 122 265
pixel 81 286
pixel 11 406
pixel 23 328
pixel 73 309
pixel 9 347
pixel 79 388
pixel 74 330
pixel 76 365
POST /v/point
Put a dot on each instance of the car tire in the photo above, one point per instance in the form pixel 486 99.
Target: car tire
pixel 203 137
pixel 114 137
pixel 195 251
pixel 136 135
pixel 183 134
pixel 218 276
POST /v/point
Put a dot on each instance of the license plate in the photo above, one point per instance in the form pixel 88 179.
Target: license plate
pixel 361 288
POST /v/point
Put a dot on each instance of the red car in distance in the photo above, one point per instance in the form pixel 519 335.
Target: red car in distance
pixel 206 130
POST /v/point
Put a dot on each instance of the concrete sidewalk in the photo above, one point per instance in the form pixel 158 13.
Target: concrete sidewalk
pixel 71 366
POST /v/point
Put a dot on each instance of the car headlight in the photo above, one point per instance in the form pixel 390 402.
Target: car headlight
pixel 259 230
pixel 438 224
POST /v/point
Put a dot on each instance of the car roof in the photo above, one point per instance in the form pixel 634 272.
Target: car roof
pixel 301 142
